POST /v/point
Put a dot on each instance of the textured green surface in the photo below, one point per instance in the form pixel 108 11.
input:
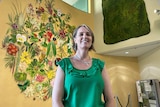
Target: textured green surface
pixel 124 19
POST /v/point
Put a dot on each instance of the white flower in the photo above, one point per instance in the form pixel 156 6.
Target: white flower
pixel 59 13
pixel 40 95
pixel 30 10
pixel 35 23
pixel 29 92
pixel 33 81
pixel 39 87
pixel 22 66
pixel 21 20
pixel 60 42
pixel 21 38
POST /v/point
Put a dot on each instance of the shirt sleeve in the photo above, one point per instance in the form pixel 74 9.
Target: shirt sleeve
pixel 100 64
pixel 61 63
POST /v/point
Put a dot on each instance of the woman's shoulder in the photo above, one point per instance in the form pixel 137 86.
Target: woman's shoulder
pixel 98 60
pixel 64 60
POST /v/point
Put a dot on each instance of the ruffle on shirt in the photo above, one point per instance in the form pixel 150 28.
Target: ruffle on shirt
pixel 97 67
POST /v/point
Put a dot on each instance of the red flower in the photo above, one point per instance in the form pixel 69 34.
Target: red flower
pixel 50 63
pixel 12 49
pixel 49 33
pixel 40 78
pixel 45 98
pixel 41 9
pixel 62 33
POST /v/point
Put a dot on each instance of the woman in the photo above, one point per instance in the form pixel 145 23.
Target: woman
pixel 81 80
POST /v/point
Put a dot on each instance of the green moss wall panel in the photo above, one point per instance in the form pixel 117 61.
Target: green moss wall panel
pixel 124 19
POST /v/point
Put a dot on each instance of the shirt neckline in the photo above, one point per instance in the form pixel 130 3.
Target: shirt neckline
pixel 81 69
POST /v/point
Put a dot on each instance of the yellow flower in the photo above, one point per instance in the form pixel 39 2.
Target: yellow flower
pixel 25 57
pixel 51 74
pixel 44 17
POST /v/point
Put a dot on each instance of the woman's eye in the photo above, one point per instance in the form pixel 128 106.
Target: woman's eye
pixel 81 34
pixel 88 34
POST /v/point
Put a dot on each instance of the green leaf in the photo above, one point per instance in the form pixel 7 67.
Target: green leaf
pixel 48 48
pixel 10 18
pixel 8 31
pixel 10 61
pixel 54 49
pixel 13 39
pixel 44 44
pixel 6 40
pixel 41 34
pixel 26 43
pixel 24 86
pixel 34 39
pixel 52 28
pixel 28 24
pixel 49 91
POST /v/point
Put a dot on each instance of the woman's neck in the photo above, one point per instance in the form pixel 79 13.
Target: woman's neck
pixel 82 55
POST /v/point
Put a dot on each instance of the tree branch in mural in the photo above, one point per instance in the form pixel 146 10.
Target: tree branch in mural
pixel 36 40
pixel 124 19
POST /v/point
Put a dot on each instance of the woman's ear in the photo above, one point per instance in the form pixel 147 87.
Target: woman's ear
pixel 74 40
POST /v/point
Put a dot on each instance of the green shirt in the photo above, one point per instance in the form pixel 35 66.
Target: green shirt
pixel 83 88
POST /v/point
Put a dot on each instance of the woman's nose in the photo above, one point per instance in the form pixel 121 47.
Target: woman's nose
pixel 84 35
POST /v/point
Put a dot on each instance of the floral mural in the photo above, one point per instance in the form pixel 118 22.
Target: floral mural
pixel 35 41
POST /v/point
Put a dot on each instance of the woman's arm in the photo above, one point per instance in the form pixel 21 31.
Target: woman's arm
pixel 58 88
pixel 108 95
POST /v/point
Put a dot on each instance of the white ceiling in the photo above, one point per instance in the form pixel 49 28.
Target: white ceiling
pixel 71 2
pixel 135 51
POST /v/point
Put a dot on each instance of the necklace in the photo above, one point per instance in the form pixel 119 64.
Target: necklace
pixel 85 62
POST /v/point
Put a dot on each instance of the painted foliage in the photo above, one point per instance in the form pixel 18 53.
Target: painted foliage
pixel 37 38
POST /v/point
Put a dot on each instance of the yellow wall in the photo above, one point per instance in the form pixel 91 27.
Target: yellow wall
pixel 150 65
pixel 123 71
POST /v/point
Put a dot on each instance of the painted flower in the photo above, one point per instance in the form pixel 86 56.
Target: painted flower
pixel 25 57
pixel 40 78
pixel 60 42
pixel 22 66
pixel 62 33
pixel 50 74
pixel 40 95
pixel 59 13
pixel 30 9
pixel 50 63
pixel 39 87
pixel 21 20
pixel 12 49
pixel 37 40
pixel 14 26
pixel 29 92
pixel 44 17
pixel 21 38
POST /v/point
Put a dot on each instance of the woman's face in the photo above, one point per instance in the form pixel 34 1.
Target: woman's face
pixel 83 39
